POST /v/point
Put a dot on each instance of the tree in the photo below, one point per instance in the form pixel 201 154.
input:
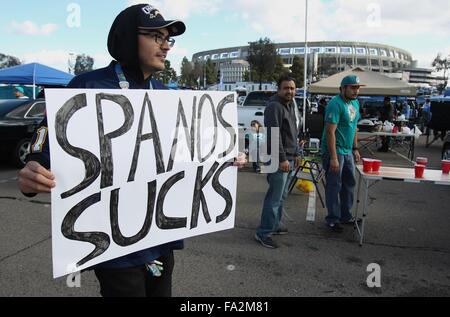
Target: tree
pixel 210 72
pixel 442 64
pixel 167 75
pixel 186 73
pixel 279 69
pixel 197 74
pixel 262 57
pixel 84 64
pixel 247 76
pixel 298 71
pixel 7 61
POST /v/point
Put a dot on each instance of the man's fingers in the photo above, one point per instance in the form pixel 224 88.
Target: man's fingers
pixel 37 178
pixel 39 169
pixel 31 181
pixel 30 187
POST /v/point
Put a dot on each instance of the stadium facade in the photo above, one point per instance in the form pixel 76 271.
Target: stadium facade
pixel 326 58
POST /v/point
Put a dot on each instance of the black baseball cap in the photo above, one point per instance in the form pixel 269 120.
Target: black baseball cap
pixel 123 40
pixel 149 18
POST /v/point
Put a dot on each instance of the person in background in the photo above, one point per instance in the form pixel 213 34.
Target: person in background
pixel 406 110
pixel 322 105
pixel 19 92
pixel 255 139
pixel 426 116
pixel 386 114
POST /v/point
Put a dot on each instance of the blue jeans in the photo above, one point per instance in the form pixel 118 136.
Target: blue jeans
pixel 273 202
pixel 340 188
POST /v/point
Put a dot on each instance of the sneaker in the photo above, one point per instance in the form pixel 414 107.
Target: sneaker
pixel 266 242
pixel 335 227
pixel 281 230
pixel 351 221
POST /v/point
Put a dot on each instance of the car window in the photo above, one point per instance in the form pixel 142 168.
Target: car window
pixel 6 106
pixel 19 112
pixel 258 98
pixel 37 110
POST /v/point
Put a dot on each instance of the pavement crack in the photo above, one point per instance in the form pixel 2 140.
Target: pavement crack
pixel 38 202
pixel 8 198
pixel 24 249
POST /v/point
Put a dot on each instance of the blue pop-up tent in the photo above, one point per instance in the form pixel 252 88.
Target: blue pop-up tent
pixel 34 74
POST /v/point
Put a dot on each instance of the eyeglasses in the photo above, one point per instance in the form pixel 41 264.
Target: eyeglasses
pixel 159 38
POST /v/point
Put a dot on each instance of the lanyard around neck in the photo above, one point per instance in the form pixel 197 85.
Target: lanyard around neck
pixel 123 82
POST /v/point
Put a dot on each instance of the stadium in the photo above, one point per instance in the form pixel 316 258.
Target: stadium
pixel 326 57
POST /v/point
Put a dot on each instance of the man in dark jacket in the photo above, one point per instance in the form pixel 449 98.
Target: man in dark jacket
pixel 386 114
pixel 279 115
pixel 139 41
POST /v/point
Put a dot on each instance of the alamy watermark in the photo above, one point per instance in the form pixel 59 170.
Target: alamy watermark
pixel 374 278
pixel 74 18
pixel 203 144
pixel 374 17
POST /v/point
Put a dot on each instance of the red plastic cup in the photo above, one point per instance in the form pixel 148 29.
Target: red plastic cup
pixel 422 161
pixel 445 166
pixel 376 164
pixel 419 169
pixel 367 165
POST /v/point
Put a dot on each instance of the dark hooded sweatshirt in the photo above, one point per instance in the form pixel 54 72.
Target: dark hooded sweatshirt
pixel 122 45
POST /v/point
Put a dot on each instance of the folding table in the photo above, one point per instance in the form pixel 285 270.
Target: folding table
pixel 407 175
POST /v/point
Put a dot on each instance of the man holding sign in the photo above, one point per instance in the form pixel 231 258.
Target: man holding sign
pixel 139 41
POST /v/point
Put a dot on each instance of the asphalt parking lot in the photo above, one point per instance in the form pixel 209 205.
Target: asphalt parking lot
pixel 407 236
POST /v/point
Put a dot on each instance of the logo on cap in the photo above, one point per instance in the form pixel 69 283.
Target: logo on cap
pixel 151 11
pixel 351 80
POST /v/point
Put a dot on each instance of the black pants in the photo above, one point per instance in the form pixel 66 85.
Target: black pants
pixel 136 281
pixel 385 143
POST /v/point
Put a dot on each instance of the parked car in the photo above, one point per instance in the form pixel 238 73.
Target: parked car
pixel 19 118
pixel 253 108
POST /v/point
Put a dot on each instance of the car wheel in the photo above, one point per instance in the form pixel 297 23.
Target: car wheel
pixel 446 152
pixel 20 152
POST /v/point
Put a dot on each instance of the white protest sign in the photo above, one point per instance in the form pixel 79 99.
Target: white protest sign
pixel 136 169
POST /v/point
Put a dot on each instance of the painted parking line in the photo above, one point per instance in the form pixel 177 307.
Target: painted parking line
pixel 311 213
pixel 9 180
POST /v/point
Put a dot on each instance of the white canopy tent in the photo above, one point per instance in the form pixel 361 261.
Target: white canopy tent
pixel 376 84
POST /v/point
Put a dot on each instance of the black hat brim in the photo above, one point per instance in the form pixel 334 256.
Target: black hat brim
pixel 174 27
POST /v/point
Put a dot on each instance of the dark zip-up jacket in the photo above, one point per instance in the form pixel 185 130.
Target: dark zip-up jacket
pixel 280 115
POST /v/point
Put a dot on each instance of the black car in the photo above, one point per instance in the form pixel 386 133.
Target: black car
pixel 19 118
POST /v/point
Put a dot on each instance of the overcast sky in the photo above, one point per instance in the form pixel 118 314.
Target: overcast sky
pixel 47 31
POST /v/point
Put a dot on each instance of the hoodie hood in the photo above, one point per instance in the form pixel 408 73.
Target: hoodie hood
pixel 123 44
